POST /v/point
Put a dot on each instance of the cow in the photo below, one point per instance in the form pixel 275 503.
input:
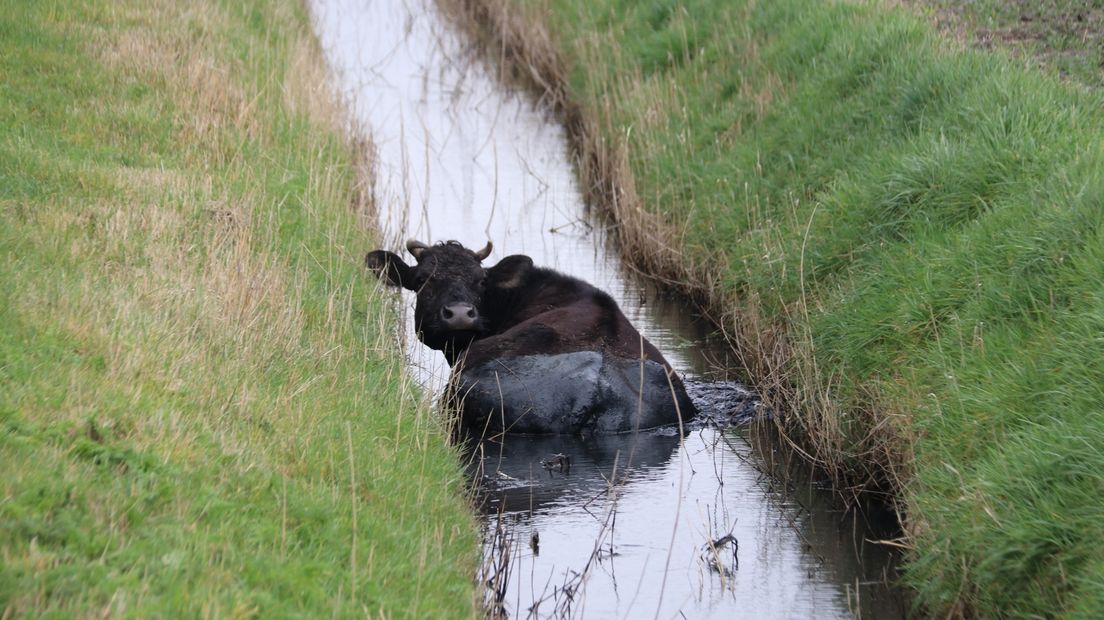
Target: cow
pixel 533 351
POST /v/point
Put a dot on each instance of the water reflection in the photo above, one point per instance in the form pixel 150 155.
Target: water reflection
pixel 629 525
pixel 520 474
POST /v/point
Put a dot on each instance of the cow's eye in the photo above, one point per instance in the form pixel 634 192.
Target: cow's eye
pixel 482 284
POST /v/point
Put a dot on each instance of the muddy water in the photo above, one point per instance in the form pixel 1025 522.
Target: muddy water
pixel 698 522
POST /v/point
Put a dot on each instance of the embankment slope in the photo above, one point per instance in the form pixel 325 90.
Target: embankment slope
pixel 203 412
pixel 902 236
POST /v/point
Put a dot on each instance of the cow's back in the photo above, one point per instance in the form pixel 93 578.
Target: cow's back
pixel 561 358
pixel 580 392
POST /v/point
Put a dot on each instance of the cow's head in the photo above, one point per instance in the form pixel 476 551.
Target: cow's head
pixel 451 284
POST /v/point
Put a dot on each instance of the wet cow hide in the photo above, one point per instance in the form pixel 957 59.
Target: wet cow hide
pixel 533 350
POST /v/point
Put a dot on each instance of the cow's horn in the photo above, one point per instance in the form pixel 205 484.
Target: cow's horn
pixel 485 252
pixel 416 248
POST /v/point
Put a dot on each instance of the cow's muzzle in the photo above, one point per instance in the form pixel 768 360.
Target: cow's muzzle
pixel 460 317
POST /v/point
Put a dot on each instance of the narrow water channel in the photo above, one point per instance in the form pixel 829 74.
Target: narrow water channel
pixel 661 524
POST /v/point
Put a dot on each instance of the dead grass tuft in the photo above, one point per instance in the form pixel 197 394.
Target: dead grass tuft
pixel 306 90
pixel 183 61
pixel 135 52
pixel 151 182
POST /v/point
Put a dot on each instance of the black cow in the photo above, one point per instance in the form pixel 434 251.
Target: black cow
pixel 533 350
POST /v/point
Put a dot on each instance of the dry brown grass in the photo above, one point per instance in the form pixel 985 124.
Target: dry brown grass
pixel 307 90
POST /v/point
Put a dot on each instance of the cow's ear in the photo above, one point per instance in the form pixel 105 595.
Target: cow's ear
pixel 388 265
pixel 510 272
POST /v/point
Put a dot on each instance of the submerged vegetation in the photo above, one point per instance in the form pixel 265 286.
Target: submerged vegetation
pixel 203 411
pixel 901 234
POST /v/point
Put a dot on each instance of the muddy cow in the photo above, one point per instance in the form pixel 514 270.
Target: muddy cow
pixel 533 350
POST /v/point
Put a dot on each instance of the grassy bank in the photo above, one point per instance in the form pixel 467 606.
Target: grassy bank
pixel 202 407
pixel 902 235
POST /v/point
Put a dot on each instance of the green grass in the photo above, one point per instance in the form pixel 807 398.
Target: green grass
pixel 923 223
pixel 203 410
